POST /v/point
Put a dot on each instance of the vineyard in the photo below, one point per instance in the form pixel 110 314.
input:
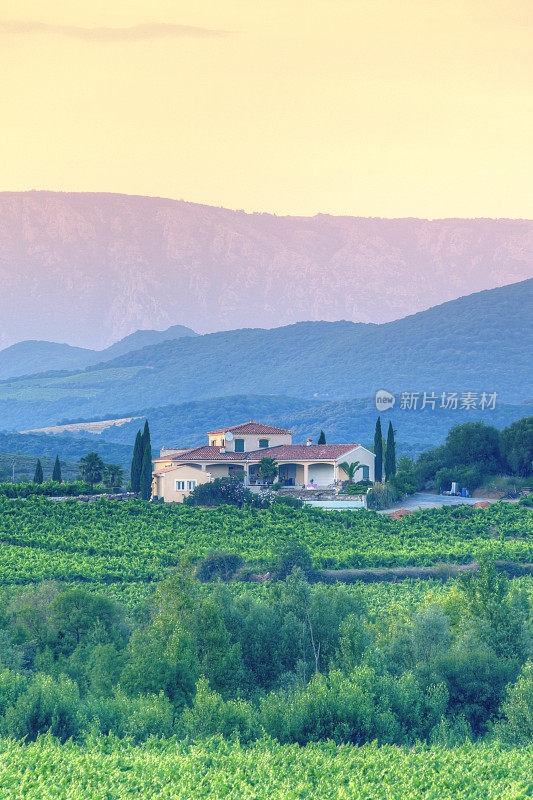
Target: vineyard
pixel 129 726
pixel 105 542
pixel 216 769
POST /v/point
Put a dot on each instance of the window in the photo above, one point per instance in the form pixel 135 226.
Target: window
pixel 239 445
pixel 263 443
pixel 191 485
pixel 366 472
pixel 180 486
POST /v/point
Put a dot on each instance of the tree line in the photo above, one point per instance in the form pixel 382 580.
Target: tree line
pixel 299 663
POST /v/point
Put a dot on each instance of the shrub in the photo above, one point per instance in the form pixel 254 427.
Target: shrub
pixel 294 554
pixel 218 566
pixel 360 487
pixel 12 685
pixel 518 709
pixel 46 706
pixel 211 715
pixel 382 495
pixel 287 500
pixel 49 489
pixel 136 717
pixel 222 491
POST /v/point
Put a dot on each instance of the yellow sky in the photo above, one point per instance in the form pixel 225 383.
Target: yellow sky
pixel 365 107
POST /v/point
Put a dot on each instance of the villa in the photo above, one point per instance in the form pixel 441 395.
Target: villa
pixel 237 451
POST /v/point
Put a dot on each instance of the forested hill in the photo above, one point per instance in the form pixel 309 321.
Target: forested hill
pixel 32 356
pixel 477 343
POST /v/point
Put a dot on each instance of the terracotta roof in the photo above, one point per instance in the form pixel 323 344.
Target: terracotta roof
pixel 283 452
pixel 162 470
pixel 304 452
pixel 251 427
pixel 208 453
pixel 169 456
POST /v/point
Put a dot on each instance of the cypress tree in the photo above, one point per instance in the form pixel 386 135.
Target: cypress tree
pixel 146 435
pixel 390 455
pixel 322 438
pixel 38 477
pixel 136 463
pixel 56 474
pixel 378 450
pixel 146 471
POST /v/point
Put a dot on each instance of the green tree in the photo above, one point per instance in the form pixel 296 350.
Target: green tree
pixel 474 443
pixel 378 450
pixel 322 438
pixel 405 477
pixel 136 463
pixel 146 471
pixel 350 469
pixel 390 454
pixel 268 469
pixel 113 476
pixel 38 476
pixel 91 468
pixel 56 474
pixel 516 447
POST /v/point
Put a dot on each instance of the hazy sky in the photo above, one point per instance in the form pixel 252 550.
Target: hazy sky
pixel 365 107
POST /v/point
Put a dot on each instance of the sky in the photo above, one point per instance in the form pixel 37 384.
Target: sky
pixel 391 108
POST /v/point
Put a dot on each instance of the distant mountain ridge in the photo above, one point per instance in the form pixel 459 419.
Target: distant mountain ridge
pixel 482 342
pixel 30 357
pixel 88 268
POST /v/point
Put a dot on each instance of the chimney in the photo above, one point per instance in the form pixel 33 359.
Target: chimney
pixel 309 442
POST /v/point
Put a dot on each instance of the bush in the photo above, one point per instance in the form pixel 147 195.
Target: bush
pixel 135 717
pixel 294 554
pixel 287 500
pixel 404 481
pixel 46 706
pixel 218 566
pixel 49 489
pixel 360 487
pixel 222 491
pixel 382 495
pixel 363 707
pixel 12 685
pixel 211 715
pixel 518 709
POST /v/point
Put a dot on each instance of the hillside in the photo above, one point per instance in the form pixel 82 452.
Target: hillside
pixel 24 467
pixel 90 268
pixel 343 421
pixel 477 343
pixel 31 356
pixel 69 448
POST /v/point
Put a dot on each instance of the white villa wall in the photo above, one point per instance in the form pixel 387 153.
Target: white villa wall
pixel 362 455
pixel 251 441
pixel 166 483
pixel 321 474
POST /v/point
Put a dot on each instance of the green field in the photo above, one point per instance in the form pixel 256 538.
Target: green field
pixel 110 770
pixel 105 542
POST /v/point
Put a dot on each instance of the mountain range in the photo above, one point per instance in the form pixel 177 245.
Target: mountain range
pixel 31 356
pixel 90 268
pixel 477 343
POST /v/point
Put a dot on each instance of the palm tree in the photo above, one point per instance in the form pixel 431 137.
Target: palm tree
pixel 113 475
pixel 91 468
pixel 350 469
